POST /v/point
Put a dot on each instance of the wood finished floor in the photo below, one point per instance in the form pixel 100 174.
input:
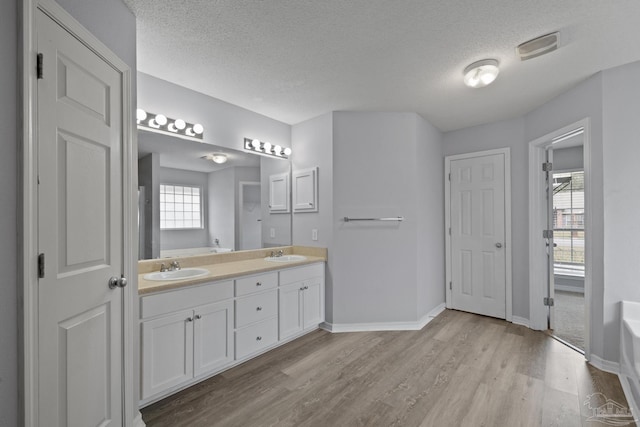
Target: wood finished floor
pixel 460 370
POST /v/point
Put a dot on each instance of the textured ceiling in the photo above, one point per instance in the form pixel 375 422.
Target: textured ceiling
pixel 293 60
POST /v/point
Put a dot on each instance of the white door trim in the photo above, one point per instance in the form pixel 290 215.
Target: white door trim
pixel 507 222
pixel 537 222
pixel 29 204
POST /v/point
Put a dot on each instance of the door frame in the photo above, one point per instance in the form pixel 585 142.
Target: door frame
pixel 537 223
pixel 507 223
pixel 28 241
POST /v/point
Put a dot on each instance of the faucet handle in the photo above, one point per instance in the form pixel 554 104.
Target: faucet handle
pixel 163 267
pixel 175 265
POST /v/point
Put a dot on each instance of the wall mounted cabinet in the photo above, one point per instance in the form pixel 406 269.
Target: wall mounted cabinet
pixel 305 190
pixel 279 193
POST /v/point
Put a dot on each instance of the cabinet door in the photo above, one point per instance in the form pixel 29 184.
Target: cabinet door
pixel 213 337
pixel 279 193
pixel 290 314
pixel 167 352
pixel 313 303
pixel 305 190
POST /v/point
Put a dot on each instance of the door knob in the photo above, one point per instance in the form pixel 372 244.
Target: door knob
pixel 117 282
pixel 498 245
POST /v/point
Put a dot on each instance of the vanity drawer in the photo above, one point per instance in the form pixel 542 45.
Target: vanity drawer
pixel 255 283
pixel 298 274
pixel 183 298
pixel 254 308
pixel 256 337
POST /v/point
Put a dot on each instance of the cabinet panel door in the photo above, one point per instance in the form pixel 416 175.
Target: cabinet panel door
pixel 290 314
pixel 313 307
pixel 167 352
pixel 213 337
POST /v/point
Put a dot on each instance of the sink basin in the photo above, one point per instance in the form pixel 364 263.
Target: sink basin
pixel 185 273
pixel 285 258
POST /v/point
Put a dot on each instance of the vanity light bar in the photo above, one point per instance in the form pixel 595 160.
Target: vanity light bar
pixel 164 124
pixel 266 148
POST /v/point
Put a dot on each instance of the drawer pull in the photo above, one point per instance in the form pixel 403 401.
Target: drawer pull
pixel 302 288
pixel 258 283
pixel 306 287
pixel 198 317
pixel 258 308
pixel 189 319
pixel 258 338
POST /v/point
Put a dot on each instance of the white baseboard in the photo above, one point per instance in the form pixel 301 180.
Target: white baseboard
pixel 517 320
pixel 137 422
pixel 390 326
pixel 604 365
pixel 628 394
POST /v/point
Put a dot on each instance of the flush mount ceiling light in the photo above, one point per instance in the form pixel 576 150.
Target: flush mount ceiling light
pixel 266 148
pixel 218 158
pixel 162 124
pixel 481 73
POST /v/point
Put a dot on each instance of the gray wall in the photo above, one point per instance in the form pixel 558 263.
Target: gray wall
pixel 313 146
pixel 149 178
pixel 242 174
pixel 376 174
pixel 621 151
pixel 221 207
pixel 225 125
pixel 429 217
pixel 181 239
pixel 9 87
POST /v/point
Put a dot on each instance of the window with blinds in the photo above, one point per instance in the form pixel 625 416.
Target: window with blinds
pixel 180 207
pixel 568 223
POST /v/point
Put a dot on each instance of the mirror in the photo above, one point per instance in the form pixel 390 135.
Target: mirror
pixel 206 206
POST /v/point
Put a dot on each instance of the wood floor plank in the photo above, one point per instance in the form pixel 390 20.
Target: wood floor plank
pixel 461 369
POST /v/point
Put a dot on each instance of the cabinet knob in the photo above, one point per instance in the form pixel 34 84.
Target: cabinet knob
pixel 258 338
pixel 198 317
pixel 306 287
pixel 189 319
pixel 302 288
pixel 258 308
pixel 258 283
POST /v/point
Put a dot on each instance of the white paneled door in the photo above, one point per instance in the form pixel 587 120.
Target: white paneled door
pixel 80 229
pixel 477 219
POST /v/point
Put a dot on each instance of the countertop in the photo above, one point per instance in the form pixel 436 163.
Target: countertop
pixel 223 270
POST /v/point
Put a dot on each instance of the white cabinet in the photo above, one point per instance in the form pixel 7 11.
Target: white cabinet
pixel 194 332
pixel 185 334
pixel 279 193
pixel 301 299
pixel 305 190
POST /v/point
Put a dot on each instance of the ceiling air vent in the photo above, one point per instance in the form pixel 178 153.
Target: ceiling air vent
pixel 538 46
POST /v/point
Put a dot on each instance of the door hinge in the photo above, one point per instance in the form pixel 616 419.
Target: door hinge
pixel 547 234
pixel 450 285
pixel 449 231
pixel 40 266
pixel 547 301
pixel 547 167
pixel 449 176
pixel 39 66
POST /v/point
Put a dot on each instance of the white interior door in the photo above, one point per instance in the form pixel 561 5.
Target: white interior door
pixel 80 233
pixel 477 218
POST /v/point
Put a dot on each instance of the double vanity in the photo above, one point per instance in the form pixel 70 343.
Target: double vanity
pixel 208 313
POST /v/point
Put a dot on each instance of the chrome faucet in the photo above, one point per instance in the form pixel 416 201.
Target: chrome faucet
pixel 163 268
pixel 175 265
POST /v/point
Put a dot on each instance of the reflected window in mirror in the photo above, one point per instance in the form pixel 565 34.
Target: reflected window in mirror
pixel 180 207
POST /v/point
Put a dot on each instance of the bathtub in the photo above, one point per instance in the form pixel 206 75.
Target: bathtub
pixel 630 353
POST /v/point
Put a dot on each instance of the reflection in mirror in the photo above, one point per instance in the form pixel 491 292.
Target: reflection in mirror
pixel 193 201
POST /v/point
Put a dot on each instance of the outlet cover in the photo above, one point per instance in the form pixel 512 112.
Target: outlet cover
pixel 314 234
pixel 272 232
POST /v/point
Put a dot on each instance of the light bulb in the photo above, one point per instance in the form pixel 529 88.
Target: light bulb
pixel 287 151
pixel 255 144
pixel 277 150
pixel 267 147
pixel 141 115
pixel 198 129
pixel 161 119
pixel 180 124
